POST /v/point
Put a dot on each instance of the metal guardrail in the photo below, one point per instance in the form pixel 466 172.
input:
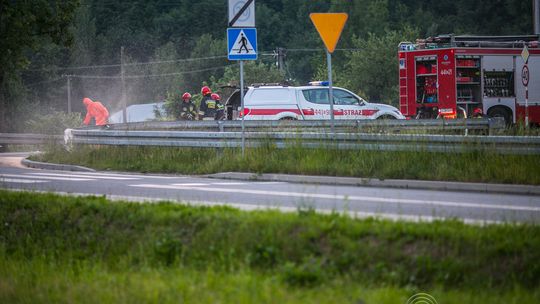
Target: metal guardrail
pixel 488 124
pixel 281 134
pixel 363 141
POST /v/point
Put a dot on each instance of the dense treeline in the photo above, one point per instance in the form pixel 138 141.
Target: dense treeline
pixel 83 39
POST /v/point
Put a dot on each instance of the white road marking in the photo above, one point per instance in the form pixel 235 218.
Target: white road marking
pixel 227 184
pixel 191 184
pixel 370 199
pixel 84 176
pixel 250 207
pixel 47 177
pixel 22 181
pixel 129 175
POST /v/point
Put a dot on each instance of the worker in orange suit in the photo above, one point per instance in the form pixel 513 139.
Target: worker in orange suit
pixel 94 109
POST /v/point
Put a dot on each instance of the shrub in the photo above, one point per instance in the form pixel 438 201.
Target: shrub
pixel 54 123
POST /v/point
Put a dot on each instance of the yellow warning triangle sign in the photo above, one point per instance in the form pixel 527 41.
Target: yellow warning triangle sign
pixel 329 26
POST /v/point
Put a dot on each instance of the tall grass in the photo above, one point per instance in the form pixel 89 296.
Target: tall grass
pixel 302 249
pixel 57 249
pixel 482 166
pixel 40 281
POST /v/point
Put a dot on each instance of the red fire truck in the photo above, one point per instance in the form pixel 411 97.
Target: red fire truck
pixel 463 76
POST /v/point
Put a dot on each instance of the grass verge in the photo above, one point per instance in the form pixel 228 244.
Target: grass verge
pixel 465 167
pixel 87 249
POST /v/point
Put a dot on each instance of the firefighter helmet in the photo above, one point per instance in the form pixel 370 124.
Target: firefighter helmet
pixel 215 96
pixel 186 96
pixel 477 111
pixel 205 90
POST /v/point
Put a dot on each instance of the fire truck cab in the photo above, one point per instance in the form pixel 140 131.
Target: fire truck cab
pixel 458 76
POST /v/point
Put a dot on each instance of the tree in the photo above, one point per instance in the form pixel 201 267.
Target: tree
pixel 373 69
pixel 254 72
pixel 22 26
pixel 209 61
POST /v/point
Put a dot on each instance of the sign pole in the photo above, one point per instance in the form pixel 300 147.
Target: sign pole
pixel 242 104
pixel 526 106
pixel 331 96
pixel 329 26
pixel 525 77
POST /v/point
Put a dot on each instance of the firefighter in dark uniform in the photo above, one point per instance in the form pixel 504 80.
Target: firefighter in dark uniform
pixel 207 111
pixel 220 108
pixel 187 109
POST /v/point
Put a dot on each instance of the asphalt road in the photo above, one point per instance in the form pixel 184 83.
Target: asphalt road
pixel 358 201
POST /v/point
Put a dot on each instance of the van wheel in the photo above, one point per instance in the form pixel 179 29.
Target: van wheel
pixel 287 118
pixel 386 117
pixel 501 112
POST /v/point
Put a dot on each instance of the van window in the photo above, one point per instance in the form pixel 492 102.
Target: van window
pixel 270 95
pixel 344 98
pixel 319 96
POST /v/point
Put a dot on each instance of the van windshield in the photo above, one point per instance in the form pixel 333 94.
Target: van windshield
pixel 344 98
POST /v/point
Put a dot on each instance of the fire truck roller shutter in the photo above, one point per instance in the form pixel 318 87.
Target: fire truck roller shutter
pixel 499 80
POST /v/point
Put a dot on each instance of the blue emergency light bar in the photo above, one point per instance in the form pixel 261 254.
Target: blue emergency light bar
pixel 319 83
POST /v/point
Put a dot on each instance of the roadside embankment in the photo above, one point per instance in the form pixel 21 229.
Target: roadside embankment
pixel 89 239
pixel 480 167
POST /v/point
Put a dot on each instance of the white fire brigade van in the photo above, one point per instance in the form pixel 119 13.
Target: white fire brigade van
pixel 448 75
pixel 277 102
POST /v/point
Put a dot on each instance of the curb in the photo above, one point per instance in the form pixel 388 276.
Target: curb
pixel 40 165
pixel 388 183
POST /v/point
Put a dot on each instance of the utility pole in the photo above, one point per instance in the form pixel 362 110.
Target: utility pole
pixel 122 72
pixel 280 58
pixel 69 93
pixel 536 16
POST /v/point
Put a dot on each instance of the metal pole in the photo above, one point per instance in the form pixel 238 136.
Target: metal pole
pixel 69 93
pixel 122 72
pixel 526 106
pixel 331 97
pixel 242 105
pixel 536 16
pixel 281 54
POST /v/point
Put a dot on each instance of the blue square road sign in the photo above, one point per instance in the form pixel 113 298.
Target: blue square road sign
pixel 242 43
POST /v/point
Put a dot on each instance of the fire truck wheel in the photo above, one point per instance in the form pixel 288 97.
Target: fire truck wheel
pixel 287 118
pixel 501 112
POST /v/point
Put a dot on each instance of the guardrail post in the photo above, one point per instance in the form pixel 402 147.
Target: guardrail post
pixel 220 125
pixel 221 129
pixel 495 123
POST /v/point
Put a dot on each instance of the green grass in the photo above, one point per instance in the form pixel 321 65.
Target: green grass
pixel 465 167
pixel 39 281
pixel 87 249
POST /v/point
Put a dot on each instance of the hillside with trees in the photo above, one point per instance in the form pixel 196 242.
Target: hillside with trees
pixel 173 46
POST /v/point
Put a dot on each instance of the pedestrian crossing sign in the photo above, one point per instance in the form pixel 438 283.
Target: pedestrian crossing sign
pixel 242 43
